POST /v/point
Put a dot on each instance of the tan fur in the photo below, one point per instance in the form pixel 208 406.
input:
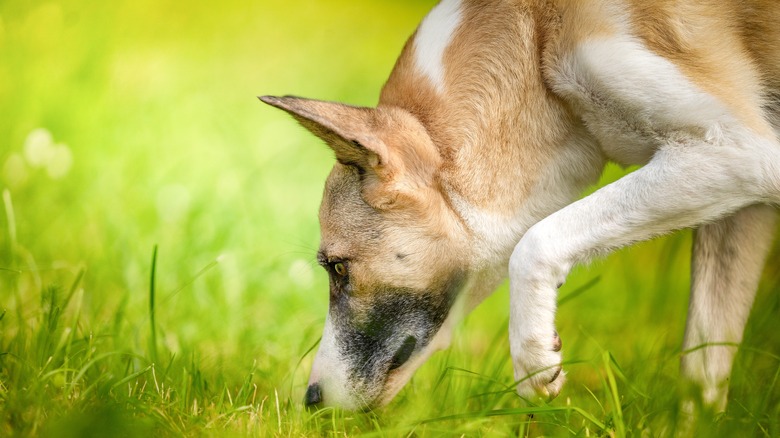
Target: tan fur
pixel 491 155
pixel 735 66
pixel 712 51
pixel 728 49
pixel 420 178
pixel 409 246
pixel 482 146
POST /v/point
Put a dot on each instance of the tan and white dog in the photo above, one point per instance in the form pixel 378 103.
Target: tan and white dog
pixel 496 116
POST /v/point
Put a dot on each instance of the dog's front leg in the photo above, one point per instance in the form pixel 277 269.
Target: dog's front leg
pixel 683 185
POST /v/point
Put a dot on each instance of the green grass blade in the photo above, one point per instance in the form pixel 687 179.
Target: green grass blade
pixel 579 291
pixel 615 396
pixel 152 323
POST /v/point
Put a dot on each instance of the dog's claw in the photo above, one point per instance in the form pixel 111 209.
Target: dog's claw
pixel 538 369
pixel 555 376
pixel 545 390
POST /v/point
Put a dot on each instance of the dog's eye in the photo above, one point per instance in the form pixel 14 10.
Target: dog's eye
pixel 340 269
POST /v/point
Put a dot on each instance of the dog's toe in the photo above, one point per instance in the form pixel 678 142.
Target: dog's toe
pixel 538 367
pixel 556 384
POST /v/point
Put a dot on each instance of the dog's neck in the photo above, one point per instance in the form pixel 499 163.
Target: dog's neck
pixel 505 139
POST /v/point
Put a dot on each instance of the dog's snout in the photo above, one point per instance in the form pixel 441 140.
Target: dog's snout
pixel 313 395
pixel 404 353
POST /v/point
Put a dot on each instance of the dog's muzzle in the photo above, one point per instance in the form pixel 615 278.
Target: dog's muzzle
pixel 314 397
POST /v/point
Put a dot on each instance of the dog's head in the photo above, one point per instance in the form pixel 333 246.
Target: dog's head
pixel 392 246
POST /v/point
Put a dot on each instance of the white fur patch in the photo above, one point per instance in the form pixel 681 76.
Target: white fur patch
pixel 433 38
pixel 631 98
pixel 330 371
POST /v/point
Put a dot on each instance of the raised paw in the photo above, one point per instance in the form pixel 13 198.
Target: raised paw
pixel 538 370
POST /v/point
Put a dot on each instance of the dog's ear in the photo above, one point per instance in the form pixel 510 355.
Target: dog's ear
pixel 389 147
pixel 345 129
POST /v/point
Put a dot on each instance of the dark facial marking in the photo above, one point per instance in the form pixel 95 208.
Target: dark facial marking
pixel 379 335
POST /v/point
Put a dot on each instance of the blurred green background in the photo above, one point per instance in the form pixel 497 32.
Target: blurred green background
pixel 130 124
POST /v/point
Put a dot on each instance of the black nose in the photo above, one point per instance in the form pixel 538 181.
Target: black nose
pixel 313 395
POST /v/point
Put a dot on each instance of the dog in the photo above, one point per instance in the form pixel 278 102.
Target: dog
pixel 495 118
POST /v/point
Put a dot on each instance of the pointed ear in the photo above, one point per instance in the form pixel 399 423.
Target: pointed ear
pixel 391 148
pixel 345 129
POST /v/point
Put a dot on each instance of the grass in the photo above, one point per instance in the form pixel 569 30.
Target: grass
pixel 158 231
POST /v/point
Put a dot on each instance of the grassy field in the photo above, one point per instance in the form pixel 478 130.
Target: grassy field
pixel 158 232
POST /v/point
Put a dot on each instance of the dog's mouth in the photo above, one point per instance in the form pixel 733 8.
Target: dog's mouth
pixel 395 374
pixel 411 355
pixel 404 353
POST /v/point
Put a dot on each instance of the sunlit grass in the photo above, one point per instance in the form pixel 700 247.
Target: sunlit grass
pixel 129 129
